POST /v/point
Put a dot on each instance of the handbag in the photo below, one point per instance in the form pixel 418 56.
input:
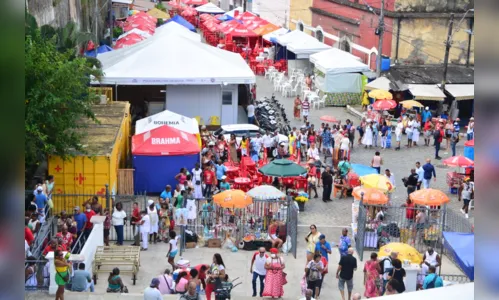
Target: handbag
pixel 168 285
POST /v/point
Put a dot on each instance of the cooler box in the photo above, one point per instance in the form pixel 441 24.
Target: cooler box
pixel 469 152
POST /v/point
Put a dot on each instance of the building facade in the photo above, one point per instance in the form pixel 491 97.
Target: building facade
pixel 415 30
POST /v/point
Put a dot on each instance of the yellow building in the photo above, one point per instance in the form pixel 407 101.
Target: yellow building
pixel 300 13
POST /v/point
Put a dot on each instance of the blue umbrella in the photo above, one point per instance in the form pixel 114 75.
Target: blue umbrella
pixel 362 170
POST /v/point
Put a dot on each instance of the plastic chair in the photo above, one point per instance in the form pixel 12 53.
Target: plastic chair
pixel 199 119
pixel 214 120
pixel 322 101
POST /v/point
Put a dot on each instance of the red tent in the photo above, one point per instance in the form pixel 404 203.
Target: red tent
pixel 229 24
pixel 247 16
pixel 142 24
pixel 142 17
pixel 240 31
pixel 165 140
pixel 195 2
pixel 129 40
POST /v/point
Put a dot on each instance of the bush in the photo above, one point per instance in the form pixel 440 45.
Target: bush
pixel 117 31
pixel 160 6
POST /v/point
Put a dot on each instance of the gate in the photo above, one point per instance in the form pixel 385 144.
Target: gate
pixel 127 201
pixel 361 230
pixel 292 225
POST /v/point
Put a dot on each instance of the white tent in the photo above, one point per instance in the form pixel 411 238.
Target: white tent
pixel 381 83
pixel 451 292
pixel 167 118
pixel 426 92
pixel 294 37
pixel 177 29
pixel 275 34
pixel 303 49
pixel 210 8
pixel 334 61
pixel 174 60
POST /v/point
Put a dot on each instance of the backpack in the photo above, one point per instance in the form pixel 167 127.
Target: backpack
pixel 382 265
pixel 313 273
pixel 431 284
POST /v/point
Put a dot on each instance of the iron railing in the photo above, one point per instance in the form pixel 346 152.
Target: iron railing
pixel 40 279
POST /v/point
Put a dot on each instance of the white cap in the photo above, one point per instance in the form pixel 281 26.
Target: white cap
pixel 427 108
pixel 203 127
pixel 39 189
pixel 149 202
pixel 211 144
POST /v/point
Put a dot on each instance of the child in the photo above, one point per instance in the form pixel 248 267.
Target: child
pixel 107 226
pixel 172 252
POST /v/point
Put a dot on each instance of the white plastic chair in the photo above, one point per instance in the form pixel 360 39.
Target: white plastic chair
pixel 322 101
pixel 306 91
pixel 296 89
pixel 286 89
pixel 269 72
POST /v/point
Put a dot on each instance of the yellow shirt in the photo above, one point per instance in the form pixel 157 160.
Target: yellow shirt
pixel 244 144
pixel 292 139
pixel 312 241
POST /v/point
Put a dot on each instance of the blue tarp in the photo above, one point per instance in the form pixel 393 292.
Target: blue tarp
pixel 178 19
pixel 101 49
pixel 461 247
pixel 363 170
pixel 153 173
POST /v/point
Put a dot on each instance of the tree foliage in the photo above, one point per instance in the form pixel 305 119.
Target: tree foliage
pixel 57 98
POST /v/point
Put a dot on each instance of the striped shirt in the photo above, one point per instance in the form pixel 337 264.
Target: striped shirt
pixel 305 105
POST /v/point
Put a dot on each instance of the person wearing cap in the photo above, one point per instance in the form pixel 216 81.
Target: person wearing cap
pixel 454 139
pixel 470 129
pixel 323 247
pixel 80 220
pixel 224 185
pixel 426 115
pixel 152 211
pixel 282 152
pixel 152 292
pixel 466 190
pixel 41 200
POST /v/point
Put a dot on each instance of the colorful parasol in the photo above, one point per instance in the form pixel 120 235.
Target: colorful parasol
pixel 232 199
pixel 380 94
pixel 410 104
pixel 370 196
pixel 329 119
pixel 385 104
pixel 405 252
pixel 429 197
pixel 377 181
pixel 458 161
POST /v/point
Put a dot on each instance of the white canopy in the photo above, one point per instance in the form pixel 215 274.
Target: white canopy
pixel 294 36
pixel 456 291
pixel 335 61
pixel 170 59
pixel 461 91
pixel 176 29
pixel 426 92
pixel 381 83
pixel 210 8
pixel 303 49
pixel 275 34
pixel 167 118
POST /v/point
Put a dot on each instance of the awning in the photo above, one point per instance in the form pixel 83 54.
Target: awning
pixel 426 92
pixel 381 83
pixel 461 91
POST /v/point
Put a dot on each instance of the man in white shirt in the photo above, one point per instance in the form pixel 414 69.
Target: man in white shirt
pixel 308 295
pixel 313 152
pixel 398 133
pixel 391 177
pixel 251 113
pixel 152 292
pixel 145 227
pixel 420 172
pixel 258 269
pixel 388 268
pixel 267 141
pixel 258 140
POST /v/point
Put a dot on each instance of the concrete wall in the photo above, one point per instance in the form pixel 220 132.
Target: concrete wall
pixel 422 42
pixel 433 5
pixel 299 11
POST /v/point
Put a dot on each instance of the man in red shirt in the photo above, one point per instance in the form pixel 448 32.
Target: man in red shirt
pixel 202 273
pixel 136 217
pixel 54 245
pixel 89 213
pixel 209 180
pixel 28 234
pixel 410 211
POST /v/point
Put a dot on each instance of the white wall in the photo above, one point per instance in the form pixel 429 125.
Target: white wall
pixel 197 100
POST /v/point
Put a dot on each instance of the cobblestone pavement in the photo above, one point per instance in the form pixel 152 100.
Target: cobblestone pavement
pixel 338 213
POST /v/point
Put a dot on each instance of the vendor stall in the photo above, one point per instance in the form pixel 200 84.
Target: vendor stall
pixel 461 247
pixel 339 76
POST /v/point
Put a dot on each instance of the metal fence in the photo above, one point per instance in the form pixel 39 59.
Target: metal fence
pixel 37 275
pixel 396 227
pixel 292 226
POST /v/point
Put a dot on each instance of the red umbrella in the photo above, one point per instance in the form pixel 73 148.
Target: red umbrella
pixel 459 161
pixel 195 2
pixel 241 31
pixel 142 17
pixel 329 119
pixel 144 27
pixel 128 40
pixel 384 104
pixel 247 16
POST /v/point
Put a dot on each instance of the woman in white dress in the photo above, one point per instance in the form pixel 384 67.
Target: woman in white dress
pixel 416 130
pixel 367 139
pixel 191 210
pixel 154 219
pixel 196 181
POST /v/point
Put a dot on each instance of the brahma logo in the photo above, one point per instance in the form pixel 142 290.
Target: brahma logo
pixel 165 141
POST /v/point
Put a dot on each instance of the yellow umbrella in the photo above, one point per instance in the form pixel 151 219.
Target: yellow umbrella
pixel 411 103
pixel 158 14
pixel 380 94
pixel 405 252
pixel 232 199
pixel 377 181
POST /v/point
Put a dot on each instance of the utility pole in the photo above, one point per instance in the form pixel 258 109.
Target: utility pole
pixel 244 5
pixel 380 31
pixel 448 44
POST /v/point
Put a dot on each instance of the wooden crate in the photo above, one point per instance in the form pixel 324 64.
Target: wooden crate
pixel 125 181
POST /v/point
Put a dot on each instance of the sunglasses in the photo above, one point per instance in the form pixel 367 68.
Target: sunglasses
pixel 311 228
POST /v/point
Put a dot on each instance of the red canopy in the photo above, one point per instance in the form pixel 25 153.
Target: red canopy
pixel 165 140
pixel 195 2
pixel 240 31
pixel 229 24
pixel 247 16
pixel 129 40
pixel 459 161
pixel 142 16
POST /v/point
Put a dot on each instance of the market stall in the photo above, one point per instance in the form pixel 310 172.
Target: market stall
pixel 455 178
pixel 338 75
pixel 461 247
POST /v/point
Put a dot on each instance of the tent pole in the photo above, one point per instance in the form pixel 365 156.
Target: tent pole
pixel 116 89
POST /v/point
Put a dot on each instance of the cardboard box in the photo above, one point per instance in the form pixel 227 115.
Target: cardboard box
pixel 214 243
pixel 190 245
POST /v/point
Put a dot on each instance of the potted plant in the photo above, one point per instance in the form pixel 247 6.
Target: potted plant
pixel 301 198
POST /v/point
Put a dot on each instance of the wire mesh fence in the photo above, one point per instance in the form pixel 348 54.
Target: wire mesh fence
pixel 36 275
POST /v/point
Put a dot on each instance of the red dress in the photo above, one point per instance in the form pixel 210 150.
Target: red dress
pixel 274 280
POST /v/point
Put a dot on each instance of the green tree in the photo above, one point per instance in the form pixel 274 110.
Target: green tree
pixel 57 99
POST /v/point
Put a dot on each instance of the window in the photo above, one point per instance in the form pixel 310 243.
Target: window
pixel 319 34
pixel 345 46
pixel 300 26
pixel 227 98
